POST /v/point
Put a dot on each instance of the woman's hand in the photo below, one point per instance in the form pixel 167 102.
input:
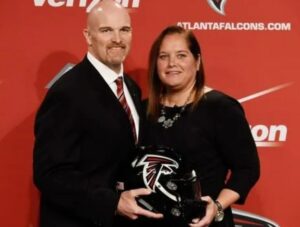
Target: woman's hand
pixel 211 211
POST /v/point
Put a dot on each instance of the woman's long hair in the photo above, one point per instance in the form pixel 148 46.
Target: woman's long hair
pixel 156 88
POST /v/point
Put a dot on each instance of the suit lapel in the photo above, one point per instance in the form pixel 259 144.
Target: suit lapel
pixel 107 97
pixel 134 93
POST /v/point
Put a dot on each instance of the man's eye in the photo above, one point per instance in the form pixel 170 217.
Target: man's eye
pixel 126 30
pixel 105 30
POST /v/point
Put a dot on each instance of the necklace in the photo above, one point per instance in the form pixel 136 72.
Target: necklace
pixel 168 122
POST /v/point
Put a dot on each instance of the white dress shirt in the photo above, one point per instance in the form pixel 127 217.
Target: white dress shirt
pixel 110 76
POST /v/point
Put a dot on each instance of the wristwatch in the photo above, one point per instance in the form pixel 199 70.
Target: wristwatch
pixel 220 212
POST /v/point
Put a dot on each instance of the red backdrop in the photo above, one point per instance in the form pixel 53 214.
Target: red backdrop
pixel 250 52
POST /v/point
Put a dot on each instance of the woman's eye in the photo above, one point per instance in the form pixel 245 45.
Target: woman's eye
pixel 163 57
pixel 180 56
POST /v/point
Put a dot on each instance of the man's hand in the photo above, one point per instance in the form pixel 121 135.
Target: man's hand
pixel 128 206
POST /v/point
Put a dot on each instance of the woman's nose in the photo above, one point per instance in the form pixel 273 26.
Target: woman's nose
pixel 172 61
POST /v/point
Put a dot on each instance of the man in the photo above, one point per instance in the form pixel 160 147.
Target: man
pixel 84 133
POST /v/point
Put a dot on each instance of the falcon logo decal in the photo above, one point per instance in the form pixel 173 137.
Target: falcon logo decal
pixel 156 166
pixel 218 6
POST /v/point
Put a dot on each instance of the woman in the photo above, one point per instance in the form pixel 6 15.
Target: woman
pixel 206 126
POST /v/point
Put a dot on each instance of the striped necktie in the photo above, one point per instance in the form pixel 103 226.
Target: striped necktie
pixel 123 102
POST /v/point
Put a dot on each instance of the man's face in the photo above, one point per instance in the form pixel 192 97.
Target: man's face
pixel 109 37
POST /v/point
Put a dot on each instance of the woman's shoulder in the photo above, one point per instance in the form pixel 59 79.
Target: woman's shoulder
pixel 217 97
pixel 221 102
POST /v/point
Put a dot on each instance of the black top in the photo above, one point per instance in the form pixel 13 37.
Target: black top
pixel 215 139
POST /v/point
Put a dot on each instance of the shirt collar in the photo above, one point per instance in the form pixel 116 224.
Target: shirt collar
pixel 108 74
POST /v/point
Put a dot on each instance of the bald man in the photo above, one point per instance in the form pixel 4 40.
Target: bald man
pixel 84 137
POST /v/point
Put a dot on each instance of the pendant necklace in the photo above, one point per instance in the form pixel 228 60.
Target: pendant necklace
pixel 168 122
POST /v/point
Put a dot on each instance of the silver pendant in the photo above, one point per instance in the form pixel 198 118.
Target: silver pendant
pixel 168 123
pixel 161 119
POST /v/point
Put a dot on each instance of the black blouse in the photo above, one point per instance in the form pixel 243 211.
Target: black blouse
pixel 215 140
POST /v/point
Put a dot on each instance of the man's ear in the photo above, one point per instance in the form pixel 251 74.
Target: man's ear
pixel 87 36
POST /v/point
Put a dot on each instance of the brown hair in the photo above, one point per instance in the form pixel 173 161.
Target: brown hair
pixel 155 86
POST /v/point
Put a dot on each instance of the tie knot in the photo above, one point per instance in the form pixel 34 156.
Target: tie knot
pixel 119 81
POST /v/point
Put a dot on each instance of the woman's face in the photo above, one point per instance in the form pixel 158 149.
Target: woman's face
pixel 176 65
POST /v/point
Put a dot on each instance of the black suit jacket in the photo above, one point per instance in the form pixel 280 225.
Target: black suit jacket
pixel 83 146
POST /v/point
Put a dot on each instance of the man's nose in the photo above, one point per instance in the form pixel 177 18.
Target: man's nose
pixel 116 37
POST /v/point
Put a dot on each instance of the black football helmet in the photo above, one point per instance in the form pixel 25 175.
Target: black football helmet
pixel 175 190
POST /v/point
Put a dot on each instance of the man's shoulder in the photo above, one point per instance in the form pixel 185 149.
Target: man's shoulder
pixel 74 78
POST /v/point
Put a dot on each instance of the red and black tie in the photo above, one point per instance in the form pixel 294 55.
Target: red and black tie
pixel 122 100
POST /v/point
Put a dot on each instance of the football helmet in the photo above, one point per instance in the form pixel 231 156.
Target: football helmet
pixel 175 189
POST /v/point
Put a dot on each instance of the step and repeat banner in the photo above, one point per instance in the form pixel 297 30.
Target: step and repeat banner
pixel 250 51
